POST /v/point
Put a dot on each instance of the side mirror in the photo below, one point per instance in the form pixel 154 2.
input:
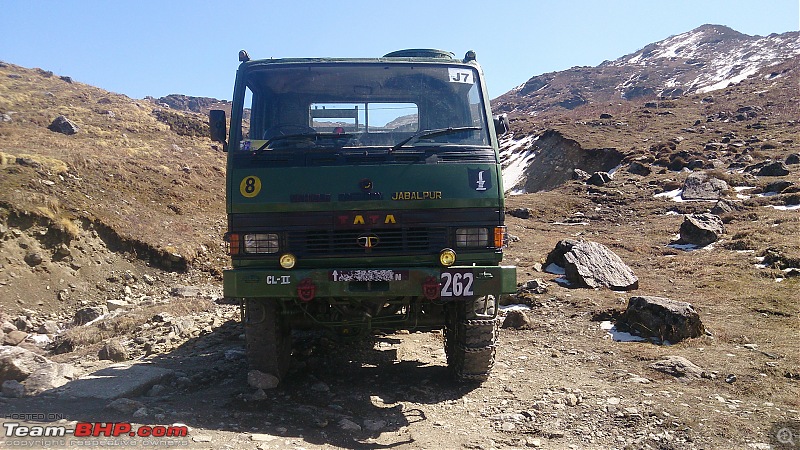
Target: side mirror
pixel 219 129
pixel 501 124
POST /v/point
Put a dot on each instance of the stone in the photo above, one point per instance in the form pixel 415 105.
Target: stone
pixel 114 305
pixel 778 186
pixel 48 327
pixel 578 174
pixel 701 229
pixel 33 259
pixel 792 159
pixel 125 405
pixel 13 389
pixel 88 314
pixel 677 366
pixel 517 319
pixel 374 425
pixel 14 337
pixel 721 207
pixel 113 350
pixel 536 286
pixel 639 168
pixel 63 125
pixel 62 251
pixel 698 186
pixel 773 169
pixel 185 291
pixel 116 381
pixel 571 399
pixel 48 375
pixel 348 425
pixel 522 213
pixel 260 380
pixel 592 265
pixel 599 178
pixel 661 318
pixel 17 363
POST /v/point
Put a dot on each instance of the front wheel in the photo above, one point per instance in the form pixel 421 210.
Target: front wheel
pixel 471 338
pixel 268 337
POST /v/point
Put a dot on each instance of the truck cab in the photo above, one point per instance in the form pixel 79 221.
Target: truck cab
pixel 365 194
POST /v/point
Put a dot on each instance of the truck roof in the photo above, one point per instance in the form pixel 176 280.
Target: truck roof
pixel 407 55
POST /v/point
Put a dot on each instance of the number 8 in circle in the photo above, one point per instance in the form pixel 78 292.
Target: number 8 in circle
pixel 250 186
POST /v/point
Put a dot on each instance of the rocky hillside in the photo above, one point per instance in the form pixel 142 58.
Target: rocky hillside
pixel 745 123
pixel 707 58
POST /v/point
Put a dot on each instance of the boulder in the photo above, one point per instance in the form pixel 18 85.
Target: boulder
pixel 522 213
pixel 778 186
pixel 639 168
pixel 113 350
pixel 793 158
pixel 49 376
pixel 721 207
pixel 260 380
pixel 700 229
pixel 773 169
pixel 517 319
pixel 677 366
pixel 698 186
pixel 17 363
pixel 593 265
pixel 88 314
pixel 63 125
pixel 661 318
pixel 599 178
pixel 14 337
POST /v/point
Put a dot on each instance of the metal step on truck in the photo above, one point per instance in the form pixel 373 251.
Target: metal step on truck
pixel 365 194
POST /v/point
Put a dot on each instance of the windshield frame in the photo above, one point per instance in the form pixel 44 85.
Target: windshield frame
pixel 479 108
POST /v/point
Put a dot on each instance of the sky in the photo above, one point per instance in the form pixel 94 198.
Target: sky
pixel 154 48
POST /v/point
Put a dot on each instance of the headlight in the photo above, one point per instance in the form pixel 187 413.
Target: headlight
pixel 472 237
pixel 261 243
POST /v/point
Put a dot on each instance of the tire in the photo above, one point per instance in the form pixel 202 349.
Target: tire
pixel 268 338
pixel 470 344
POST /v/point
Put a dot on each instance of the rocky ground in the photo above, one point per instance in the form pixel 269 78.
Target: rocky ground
pixel 561 379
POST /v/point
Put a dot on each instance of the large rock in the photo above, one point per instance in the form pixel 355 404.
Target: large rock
pixel 517 319
pixel 662 318
pixel 17 363
pixel 773 169
pixel 113 350
pixel 677 366
pixel 35 372
pixel 701 229
pixel 698 186
pixel 593 265
pixel 63 125
pixel 88 314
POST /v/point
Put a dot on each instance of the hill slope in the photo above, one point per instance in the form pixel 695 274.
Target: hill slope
pixel 707 58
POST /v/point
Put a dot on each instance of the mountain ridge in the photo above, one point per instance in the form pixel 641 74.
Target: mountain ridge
pixel 707 58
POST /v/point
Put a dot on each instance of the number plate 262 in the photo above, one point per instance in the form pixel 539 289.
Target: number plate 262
pixel 457 284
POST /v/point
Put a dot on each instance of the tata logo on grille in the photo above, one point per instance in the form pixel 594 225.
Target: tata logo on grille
pixel 368 240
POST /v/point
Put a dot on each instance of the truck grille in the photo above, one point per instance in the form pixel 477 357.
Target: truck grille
pixel 406 241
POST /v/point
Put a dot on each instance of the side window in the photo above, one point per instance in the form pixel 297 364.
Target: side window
pixel 247 114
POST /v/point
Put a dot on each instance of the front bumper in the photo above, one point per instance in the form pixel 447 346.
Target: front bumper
pixel 452 283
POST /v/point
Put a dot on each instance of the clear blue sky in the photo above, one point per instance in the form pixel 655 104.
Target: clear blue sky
pixel 146 47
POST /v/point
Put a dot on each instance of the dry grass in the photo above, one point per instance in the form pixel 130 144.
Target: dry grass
pixel 122 325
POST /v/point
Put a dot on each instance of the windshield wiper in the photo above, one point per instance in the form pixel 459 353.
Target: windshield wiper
pixel 431 133
pixel 283 137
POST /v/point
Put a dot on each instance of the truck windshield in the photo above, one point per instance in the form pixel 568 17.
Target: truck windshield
pixel 294 107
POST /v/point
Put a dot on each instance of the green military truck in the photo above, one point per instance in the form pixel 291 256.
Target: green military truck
pixel 365 194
